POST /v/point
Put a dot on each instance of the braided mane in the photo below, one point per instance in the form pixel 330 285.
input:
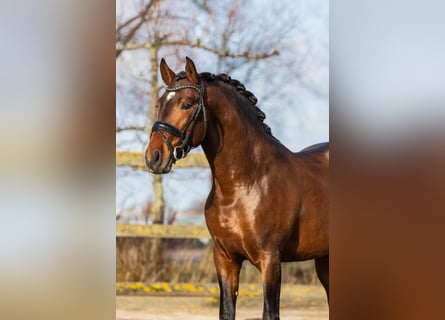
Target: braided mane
pixel 239 87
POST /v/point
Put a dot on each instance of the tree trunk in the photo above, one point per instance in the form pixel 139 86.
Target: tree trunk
pixel 153 271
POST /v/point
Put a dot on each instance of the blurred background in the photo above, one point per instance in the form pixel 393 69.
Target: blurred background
pixel 279 50
pixel 61 192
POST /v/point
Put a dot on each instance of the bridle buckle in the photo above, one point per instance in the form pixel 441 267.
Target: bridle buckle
pixel 179 153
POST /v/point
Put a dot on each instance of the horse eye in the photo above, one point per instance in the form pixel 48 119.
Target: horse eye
pixel 186 106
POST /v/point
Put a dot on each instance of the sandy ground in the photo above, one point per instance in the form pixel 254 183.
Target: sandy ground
pixel 299 303
pixel 243 315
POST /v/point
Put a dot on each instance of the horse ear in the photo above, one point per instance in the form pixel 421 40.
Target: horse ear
pixel 167 74
pixel 190 71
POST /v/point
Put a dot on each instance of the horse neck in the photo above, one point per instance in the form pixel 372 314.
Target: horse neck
pixel 236 142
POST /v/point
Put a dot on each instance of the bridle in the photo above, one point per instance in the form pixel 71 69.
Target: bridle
pixel 180 152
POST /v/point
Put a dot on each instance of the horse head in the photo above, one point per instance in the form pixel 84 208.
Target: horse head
pixel 181 118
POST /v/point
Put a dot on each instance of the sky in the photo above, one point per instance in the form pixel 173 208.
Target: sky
pixel 298 113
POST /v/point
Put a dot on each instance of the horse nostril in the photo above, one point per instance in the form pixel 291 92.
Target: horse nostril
pixel 157 159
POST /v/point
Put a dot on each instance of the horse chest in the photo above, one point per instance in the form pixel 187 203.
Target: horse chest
pixel 233 228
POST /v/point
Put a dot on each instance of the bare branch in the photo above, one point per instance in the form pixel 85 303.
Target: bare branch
pixel 142 16
pixel 126 23
pixel 203 5
pixel 136 128
pixel 197 44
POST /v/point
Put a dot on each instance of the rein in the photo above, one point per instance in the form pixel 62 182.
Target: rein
pixel 180 152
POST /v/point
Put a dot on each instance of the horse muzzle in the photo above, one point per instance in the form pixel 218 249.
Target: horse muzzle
pixel 155 162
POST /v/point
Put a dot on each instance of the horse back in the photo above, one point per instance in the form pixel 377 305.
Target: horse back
pixel 317 149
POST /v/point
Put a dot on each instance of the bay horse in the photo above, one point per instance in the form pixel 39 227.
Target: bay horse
pixel 267 204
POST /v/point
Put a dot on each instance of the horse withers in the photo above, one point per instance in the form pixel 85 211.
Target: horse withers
pixel 267 204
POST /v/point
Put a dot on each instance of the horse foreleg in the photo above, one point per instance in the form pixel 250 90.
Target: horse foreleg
pixel 227 270
pixel 271 276
pixel 322 268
